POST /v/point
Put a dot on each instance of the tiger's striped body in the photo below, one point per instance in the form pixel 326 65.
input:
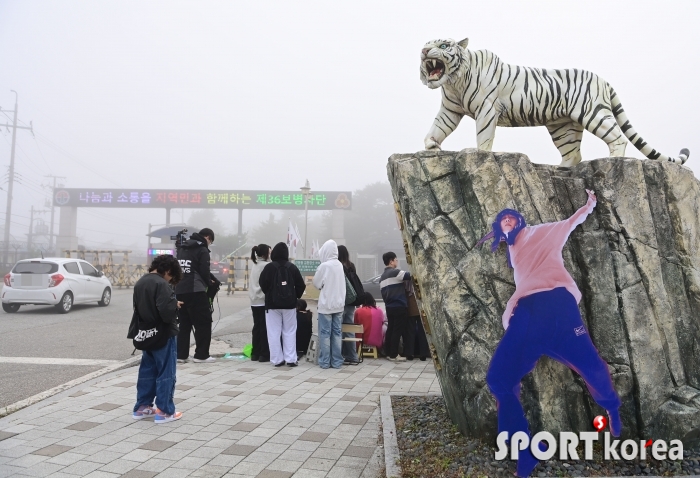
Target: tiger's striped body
pixel 479 85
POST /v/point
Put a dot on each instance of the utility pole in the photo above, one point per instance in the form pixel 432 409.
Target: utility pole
pixel 11 178
pixel 31 228
pixel 53 207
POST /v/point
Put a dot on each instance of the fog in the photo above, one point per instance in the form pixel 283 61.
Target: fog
pixel 263 95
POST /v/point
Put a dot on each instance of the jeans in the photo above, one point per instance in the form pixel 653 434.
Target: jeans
pixel 194 313
pixel 349 348
pixel 545 323
pixel 157 378
pixel 330 340
pixel 260 345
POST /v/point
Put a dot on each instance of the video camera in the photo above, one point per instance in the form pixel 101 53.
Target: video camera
pixel 179 238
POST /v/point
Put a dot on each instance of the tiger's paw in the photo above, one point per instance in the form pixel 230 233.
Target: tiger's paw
pixel 432 145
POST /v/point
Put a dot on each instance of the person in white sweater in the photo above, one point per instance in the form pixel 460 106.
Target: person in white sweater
pixel 260 255
pixel 330 281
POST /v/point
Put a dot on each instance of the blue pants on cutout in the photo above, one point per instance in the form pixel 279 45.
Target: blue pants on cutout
pixel 545 323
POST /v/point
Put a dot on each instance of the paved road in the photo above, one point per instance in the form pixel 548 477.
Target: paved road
pixel 40 349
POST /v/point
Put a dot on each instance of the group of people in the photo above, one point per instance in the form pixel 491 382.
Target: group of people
pixel 282 326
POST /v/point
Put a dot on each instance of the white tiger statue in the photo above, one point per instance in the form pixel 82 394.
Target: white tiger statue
pixel 479 85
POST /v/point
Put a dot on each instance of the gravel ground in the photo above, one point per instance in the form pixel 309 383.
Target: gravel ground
pixel 431 446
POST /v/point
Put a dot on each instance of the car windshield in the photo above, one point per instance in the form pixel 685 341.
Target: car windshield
pixel 35 267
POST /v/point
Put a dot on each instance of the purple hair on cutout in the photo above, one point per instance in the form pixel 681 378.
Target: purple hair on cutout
pixel 498 235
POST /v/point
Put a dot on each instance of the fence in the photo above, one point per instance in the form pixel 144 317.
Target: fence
pixel 237 274
pixel 120 275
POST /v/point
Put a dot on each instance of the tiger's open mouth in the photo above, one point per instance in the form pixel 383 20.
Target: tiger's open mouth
pixel 435 69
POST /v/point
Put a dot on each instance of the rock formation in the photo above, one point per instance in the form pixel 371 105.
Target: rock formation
pixel 636 260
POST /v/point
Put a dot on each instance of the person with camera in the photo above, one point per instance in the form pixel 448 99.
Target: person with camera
pixel 193 256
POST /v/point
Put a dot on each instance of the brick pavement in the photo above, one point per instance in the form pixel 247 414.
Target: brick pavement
pixel 241 419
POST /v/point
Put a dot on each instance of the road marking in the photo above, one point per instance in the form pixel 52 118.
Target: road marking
pixel 130 362
pixel 56 361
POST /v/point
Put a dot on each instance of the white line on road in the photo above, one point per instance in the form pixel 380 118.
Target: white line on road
pixel 53 391
pixel 56 361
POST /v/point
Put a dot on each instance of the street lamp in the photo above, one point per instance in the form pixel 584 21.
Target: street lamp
pixel 306 192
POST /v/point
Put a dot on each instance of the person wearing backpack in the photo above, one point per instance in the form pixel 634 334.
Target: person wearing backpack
pixel 330 281
pixel 282 284
pixel 349 348
pixel 155 309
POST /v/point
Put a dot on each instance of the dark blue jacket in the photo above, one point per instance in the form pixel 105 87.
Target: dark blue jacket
pixel 392 285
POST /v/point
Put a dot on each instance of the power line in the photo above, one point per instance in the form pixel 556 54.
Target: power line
pixel 69 156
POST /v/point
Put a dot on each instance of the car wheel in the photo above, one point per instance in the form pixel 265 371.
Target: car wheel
pixel 10 308
pixel 66 303
pixel 106 298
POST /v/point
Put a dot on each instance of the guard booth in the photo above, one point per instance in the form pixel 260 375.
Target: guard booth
pixel 167 244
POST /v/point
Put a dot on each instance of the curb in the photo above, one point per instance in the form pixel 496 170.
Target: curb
pixel 391 446
pixel 60 388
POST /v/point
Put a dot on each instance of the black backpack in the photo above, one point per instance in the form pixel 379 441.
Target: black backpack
pixel 284 295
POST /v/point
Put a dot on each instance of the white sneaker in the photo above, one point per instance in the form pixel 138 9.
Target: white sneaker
pixel 398 358
pixel 182 360
pixel 206 360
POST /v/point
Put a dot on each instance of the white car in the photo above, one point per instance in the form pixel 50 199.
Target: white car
pixel 60 282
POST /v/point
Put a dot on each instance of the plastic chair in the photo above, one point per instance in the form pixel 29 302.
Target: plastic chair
pixel 354 329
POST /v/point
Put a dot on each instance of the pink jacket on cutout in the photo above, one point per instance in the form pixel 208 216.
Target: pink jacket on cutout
pixel 537 261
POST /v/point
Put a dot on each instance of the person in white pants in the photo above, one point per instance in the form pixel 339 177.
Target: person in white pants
pixel 282 284
pixel 282 322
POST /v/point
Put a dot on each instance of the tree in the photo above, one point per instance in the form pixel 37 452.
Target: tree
pixel 371 226
pixel 202 218
pixel 270 231
pixel 228 243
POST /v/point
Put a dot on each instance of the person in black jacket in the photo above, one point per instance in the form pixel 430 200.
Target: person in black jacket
pixel 154 301
pixel 193 256
pixel 282 284
pixel 304 327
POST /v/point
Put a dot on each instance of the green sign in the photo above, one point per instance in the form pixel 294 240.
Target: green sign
pixel 307 266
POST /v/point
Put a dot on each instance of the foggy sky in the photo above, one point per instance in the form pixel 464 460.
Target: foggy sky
pixel 262 95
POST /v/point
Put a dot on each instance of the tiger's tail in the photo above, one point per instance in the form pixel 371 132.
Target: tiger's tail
pixel 635 139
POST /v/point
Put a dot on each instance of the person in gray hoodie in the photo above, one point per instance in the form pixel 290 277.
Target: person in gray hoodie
pixel 260 255
pixel 330 281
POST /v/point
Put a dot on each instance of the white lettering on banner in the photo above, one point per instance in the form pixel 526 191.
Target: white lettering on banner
pixel 145 334
pixel 628 449
pixel 186 265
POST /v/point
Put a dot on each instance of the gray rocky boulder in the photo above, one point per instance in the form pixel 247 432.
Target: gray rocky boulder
pixel 636 260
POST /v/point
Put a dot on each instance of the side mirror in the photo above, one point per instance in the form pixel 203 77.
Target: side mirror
pixel 102 274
